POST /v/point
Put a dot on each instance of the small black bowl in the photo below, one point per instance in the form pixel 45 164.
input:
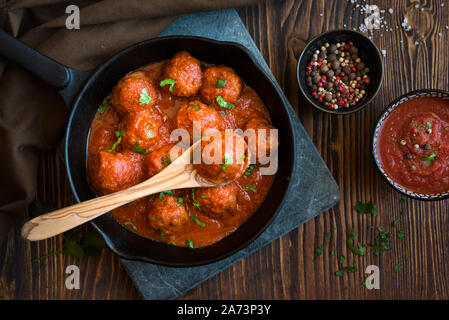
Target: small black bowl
pixel 408 96
pixel 368 53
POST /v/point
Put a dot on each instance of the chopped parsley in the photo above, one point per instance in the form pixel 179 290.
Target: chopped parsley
pixel 131 224
pixel 250 188
pixel 381 242
pixel 395 223
pixel 189 243
pixel 401 234
pixel 120 133
pixel 220 83
pixel 180 201
pixel 194 201
pixel 151 198
pixel 227 161
pixel 161 194
pixel 198 222
pixel 357 248
pixel 368 207
pixel 149 132
pixel 144 97
pixel 429 158
pixel 166 160
pixel 169 81
pixel 105 106
pixel 352 269
pixel 328 235
pixel 250 169
pixel 138 149
pixel 397 267
pixel 341 260
pixel 196 106
pixel 318 252
pixel 428 124
pixel 162 235
pixel 222 103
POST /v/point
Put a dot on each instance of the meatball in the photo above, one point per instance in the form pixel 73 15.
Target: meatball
pixel 159 159
pixel 186 71
pixel 263 138
pixel 134 93
pixel 221 81
pixel 141 130
pixel 217 201
pixel 195 111
pixel 114 171
pixel 167 215
pixel 224 157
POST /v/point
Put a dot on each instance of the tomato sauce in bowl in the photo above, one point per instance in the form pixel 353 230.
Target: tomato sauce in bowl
pixel 411 145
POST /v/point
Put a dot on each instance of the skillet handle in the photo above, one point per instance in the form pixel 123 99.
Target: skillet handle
pixel 67 81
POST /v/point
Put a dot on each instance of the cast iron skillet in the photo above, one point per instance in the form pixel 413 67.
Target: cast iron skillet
pixel 84 91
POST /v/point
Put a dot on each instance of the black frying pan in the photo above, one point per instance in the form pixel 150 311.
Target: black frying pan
pixel 84 91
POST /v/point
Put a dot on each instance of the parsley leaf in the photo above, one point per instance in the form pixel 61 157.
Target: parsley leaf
pixel 250 188
pixel 222 103
pixel 318 252
pixel 227 161
pixel 180 201
pixel 144 97
pixel 149 132
pixel 166 160
pixel 357 249
pixel 397 267
pixel 139 149
pixel 368 207
pixel 429 158
pixel 131 224
pixel 120 133
pixel 352 269
pixel 194 201
pixel 250 169
pixel 198 222
pixel 169 81
pixel 189 243
pixel 105 106
pixel 220 83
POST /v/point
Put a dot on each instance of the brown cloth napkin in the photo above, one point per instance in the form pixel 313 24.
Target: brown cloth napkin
pixel 32 115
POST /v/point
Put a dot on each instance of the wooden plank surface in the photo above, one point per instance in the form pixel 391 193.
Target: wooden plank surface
pixel 285 269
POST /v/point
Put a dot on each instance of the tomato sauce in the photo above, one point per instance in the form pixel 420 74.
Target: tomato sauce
pixel 134 216
pixel 413 145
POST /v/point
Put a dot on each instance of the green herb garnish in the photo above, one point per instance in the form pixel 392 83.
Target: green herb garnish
pixel 169 81
pixel 250 169
pixel 194 201
pixel 144 97
pixel 162 235
pixel 227 161
pixel 104 107
pixel 180 201
pixel 401 234
pixel 138 149
pixel 397 267
pixel 328 234
pixel 318 252
pixel 189 243
pixel 380 242
pixel 222 103
pixel 429 158
pixel 198 222
pixel 220 83
pixel 149 132
pixel 131 224
pixel 428 124
pixel 357 248
pixel 166 160
pixel 250 188
pixel 342 259
pixel 368 207
pixel 352 269
pixel 196 106
pixel 395 223
pixel 120 133
pixel 161 194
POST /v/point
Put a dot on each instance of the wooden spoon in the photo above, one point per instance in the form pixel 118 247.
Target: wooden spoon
pixel 179 174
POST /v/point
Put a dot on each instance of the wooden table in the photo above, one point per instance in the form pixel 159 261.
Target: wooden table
pixel 285 269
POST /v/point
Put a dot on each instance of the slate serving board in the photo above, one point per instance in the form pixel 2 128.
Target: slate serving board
pixel 313 188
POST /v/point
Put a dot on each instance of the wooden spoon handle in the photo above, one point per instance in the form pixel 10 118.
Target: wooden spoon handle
pixel 59 221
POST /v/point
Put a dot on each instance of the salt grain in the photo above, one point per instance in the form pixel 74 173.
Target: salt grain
pixel 390 10
pixel 384 52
